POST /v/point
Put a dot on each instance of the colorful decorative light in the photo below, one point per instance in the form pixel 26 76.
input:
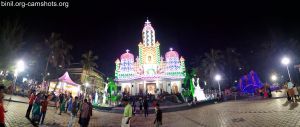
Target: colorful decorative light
pixel 149 64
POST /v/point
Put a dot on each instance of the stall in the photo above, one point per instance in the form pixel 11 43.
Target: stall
pixel 65 85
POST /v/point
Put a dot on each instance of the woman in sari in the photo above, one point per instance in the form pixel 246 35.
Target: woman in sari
pixel 36 110
pixel 63 105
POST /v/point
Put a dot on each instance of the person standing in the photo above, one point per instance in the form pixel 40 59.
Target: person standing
pixel 290 90
pixel 62 103
pixel 31 99
pixel 73 112
pixel 141 105
pixel 127 114
pixel 134 106
pixel 44 109
pixel 84 114
pixel 90 111
pixel 70 104
pixel 2 110
pixel 146 106
pixel 158 116
pixel 296 93
pixel 36 109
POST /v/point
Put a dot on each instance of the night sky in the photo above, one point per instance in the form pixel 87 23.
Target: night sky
pixel 190 28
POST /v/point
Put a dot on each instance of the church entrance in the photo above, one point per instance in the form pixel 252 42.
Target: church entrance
pixel 127 89
pixel 175 89
pixel 151 87
pixel 141 88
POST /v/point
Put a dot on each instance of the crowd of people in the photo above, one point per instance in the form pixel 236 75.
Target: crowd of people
pixel 130 111
pixel 65 103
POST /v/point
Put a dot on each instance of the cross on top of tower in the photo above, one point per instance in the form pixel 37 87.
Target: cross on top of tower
pixel 147 21
pixel 127 50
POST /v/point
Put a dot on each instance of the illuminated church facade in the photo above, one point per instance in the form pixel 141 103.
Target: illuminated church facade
pixel 150 72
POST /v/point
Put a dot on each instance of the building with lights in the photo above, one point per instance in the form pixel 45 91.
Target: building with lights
pixel 150 72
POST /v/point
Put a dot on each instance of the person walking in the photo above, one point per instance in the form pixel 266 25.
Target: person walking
pixel 70 104
pixel 141 105
pixel 62 103
pixel 31 99
pixel 158 116
pixel 90 111
pixel 67 101
pixel 134 106
pixel 36 109
pixel 290 90
pixel 73 112
pixel 44 109
pixel 84 114
pixel 296 93
pixel 146 106
pixel 2 110
pixel 127 114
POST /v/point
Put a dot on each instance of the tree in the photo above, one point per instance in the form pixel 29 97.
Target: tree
pixel 212 63
pixel 88 61
pixel 233 65
pixel 11 41
pixel 59 54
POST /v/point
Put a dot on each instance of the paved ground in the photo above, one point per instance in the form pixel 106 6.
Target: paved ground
pixel 243 113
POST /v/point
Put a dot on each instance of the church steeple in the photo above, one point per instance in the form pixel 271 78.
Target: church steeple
pixel 148 34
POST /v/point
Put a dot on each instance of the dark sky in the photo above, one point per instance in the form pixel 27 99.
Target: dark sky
pixel 190 28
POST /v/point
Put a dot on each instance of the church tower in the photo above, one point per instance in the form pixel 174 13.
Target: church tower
pixel 149 51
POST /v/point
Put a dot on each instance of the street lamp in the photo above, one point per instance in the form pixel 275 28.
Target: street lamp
pixel 218 78
pixel 274 78
pixel 286 61
pixel 20 66
pixel 86 85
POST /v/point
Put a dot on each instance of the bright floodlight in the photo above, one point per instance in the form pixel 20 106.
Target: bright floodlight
pixel 87 84
pixel 273 77
pixel 218 77
pixel 285 61
pixel 20 66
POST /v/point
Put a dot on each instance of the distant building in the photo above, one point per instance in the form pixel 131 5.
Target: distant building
pixel 150 72
pixel 95 78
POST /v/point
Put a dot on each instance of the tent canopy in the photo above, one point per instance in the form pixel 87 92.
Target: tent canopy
pixel 66 78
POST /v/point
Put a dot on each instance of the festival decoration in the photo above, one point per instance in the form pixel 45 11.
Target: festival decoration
pixel 150 66
pixel 250 83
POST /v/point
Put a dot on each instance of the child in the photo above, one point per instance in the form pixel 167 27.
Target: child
pixel 44 108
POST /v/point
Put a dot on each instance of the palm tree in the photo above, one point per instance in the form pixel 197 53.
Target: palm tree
pixel 88 62
pixel 59 54
pixel 212 63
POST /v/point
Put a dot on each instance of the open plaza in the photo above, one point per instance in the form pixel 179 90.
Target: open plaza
pixel 148 64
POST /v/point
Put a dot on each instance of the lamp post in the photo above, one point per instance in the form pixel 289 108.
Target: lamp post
pixel 274 79
pixel 20 66
pixel 218 78
pixel 286 61
pixel 86 85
